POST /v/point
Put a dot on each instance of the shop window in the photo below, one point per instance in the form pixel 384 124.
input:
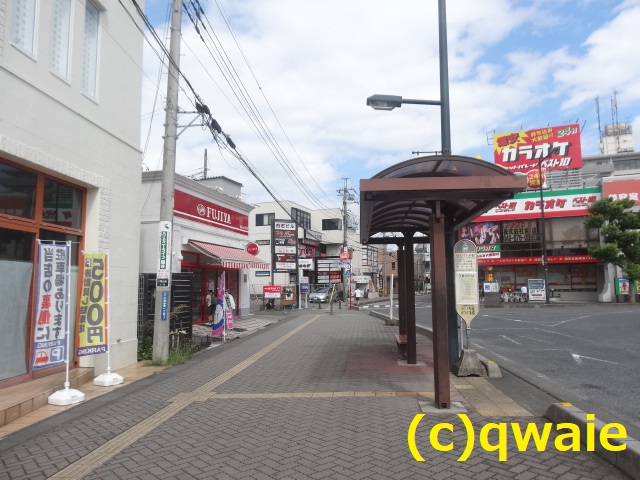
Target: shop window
pixel 62 204
pixel 16 265
pixel 17 191
pixel 15 245
pixel 264 219
pixel 48 235
pixel 302 218
pixel 331 224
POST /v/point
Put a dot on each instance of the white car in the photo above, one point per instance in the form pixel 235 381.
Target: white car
pixel 321 295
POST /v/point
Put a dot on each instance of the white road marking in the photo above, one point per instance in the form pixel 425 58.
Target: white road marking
pixel 578 359
pixel 510 339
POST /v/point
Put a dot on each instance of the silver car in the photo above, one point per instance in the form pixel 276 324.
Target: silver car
pixel 321 295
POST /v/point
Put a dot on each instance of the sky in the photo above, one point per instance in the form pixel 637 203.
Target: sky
pixel 288 80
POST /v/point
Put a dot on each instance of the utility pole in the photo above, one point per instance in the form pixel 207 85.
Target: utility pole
pixel 165 251
pixel 344 191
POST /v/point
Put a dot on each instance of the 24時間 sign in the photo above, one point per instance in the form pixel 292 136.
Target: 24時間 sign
pixel 558 148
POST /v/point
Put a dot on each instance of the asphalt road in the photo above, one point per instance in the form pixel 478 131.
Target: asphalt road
pixel 588 355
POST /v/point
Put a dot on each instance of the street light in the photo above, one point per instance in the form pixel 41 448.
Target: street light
pixel 389 102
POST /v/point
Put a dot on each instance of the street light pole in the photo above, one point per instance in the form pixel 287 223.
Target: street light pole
pixel 543 233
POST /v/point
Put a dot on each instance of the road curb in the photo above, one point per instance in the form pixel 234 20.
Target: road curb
pixel 627 461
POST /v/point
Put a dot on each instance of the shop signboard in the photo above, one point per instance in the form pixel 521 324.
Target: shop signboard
pixel 537 289
pixel 557 148
pixel 202 211
pixel 622 189
pixel 566 203
pixel 284 250
pixel 272 291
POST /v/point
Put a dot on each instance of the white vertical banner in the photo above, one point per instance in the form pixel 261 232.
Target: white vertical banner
pixel 50 342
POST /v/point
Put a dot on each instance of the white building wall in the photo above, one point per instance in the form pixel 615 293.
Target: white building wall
pixel 47 124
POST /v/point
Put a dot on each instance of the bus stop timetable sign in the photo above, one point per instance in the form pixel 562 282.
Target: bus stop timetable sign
pixel 465 259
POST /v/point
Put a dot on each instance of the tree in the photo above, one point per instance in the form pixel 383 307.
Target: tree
pixel 620 229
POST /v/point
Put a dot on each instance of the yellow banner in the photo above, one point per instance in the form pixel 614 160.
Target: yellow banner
pixel 92 327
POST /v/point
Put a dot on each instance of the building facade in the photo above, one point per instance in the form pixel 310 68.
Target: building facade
pixel 70 165
pixel 320 240
pixel 210 236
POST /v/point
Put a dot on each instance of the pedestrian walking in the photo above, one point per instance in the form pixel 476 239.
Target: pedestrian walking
pixel 357 294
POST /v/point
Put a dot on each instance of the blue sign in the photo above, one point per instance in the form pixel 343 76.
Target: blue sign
pixel 163 307
pixel 304 288
pixel 347 274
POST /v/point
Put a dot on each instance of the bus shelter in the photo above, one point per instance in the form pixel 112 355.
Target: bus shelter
pixel 427 199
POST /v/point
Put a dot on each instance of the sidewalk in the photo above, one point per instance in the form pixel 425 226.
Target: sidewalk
pixel 312 396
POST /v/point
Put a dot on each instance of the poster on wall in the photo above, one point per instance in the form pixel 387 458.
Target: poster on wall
pixel 50 341
pixel 484 233
pixel 92 329
pixel 520 231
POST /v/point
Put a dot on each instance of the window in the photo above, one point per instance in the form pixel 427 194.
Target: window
pixel 302 218
pixel 23 25
pixel 263 219
pixel 90 56
pixel 62 204
pixel 60 37
pixel 331 224
pixel 17 191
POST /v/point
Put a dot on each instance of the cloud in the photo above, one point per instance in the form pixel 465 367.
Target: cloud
pixel 311 66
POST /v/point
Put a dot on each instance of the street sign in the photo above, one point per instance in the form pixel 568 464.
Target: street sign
pixel 344 256
pixel 465 260
pixel 347 274
pixel 163 271
pixel 252 248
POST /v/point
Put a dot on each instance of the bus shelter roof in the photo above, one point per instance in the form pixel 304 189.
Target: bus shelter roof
pixel 403 198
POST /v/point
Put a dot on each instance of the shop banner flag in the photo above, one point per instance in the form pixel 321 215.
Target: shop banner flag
pixel 230 325
pixel 51 313
pixel 92 331
pixel 219 315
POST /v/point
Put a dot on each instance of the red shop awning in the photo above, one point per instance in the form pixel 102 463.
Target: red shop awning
pixel 230 257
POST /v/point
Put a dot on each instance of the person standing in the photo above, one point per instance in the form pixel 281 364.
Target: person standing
pixel 357 294
pixel 210 306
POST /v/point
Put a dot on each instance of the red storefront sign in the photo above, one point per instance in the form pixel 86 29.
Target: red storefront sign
pixel 622 189
pixel 557 147
pixel 201 211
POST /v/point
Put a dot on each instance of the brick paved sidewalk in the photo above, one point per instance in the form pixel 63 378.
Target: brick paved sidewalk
pixel 311 397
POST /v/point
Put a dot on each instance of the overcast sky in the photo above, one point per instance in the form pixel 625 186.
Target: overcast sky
pixel 309 66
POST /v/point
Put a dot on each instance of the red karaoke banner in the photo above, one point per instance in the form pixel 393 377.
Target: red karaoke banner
pixel 558 148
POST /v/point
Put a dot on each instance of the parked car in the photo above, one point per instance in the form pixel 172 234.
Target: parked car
pixel 321 295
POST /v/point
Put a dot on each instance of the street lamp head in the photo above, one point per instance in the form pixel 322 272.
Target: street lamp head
pixel 384 102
